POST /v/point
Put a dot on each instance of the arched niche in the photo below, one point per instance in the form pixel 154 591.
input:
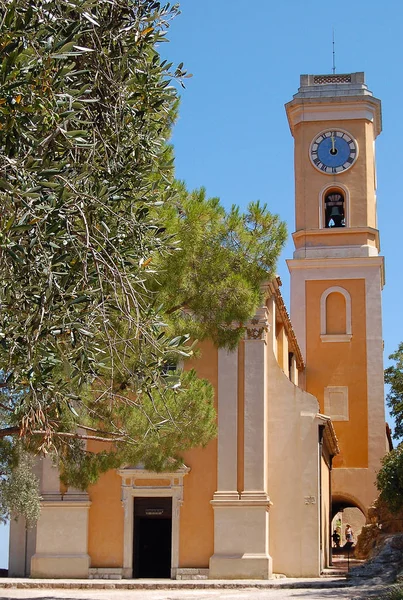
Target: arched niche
pixel 335 315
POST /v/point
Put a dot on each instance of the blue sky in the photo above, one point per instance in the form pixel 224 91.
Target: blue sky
pixel 232 135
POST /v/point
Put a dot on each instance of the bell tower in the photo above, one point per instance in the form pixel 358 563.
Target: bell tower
pixel 337 273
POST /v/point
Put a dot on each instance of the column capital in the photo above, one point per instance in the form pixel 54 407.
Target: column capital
pixel 257 327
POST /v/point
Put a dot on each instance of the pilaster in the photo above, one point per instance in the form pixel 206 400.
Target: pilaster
pixel 62 530
pixel 255 406
pixel 241 526
pixel 227 425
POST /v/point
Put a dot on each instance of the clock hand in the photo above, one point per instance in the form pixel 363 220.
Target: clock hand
pixel 332 138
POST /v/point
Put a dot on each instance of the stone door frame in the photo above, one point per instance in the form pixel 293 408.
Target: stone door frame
pixel 134 485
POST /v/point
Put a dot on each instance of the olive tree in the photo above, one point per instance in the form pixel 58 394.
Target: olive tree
pixel 110 269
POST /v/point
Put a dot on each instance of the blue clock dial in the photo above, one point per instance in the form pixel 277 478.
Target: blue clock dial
pixel 333 151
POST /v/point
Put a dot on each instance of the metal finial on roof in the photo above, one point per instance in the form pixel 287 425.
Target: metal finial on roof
pixel 334 55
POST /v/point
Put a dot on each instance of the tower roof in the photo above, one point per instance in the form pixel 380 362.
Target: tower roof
pixel 334 85
pixel 334 97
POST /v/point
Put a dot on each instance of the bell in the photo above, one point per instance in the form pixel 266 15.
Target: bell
pixel 336 216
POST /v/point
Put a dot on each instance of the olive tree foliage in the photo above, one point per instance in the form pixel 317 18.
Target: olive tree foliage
pixel 86 106
pixel 19 486
pixel 108 266
pixel 389 479
pixel 390 476
pixel 394 378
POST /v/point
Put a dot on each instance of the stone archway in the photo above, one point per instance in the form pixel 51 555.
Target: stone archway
pixel 341 501
pixel 347 510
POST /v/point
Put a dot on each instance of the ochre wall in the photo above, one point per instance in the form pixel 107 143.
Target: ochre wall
pixel 360 179
pixel 106 516
pixel 341 364
pixel 196 543
pixel 105 529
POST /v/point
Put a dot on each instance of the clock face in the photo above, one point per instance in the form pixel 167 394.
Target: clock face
pixel 333 151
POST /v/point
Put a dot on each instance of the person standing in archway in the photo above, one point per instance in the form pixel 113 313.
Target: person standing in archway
pixel 336 539
pixel 349 535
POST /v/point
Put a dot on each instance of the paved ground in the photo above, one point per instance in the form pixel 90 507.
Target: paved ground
pixel 183 594
pixel 333 586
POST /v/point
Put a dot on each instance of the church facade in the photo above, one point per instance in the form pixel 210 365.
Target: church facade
pixel 301 424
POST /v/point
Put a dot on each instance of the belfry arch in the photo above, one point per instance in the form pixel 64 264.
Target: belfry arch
pixel 334 201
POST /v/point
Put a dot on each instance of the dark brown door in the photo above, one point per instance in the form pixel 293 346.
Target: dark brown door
pixel 152 538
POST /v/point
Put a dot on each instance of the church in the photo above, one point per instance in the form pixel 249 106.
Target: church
pixel 300 403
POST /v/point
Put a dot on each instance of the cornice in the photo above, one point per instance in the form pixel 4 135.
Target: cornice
pixel 330 437
pixel 338 232
pixel 140 473
pixel 65 503
pixel 274 289
pixel 335 231
pixel 334 263
pixel 337 108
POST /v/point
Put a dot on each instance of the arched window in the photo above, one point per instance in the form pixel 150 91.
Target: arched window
pixel 335 315
pixel 335 209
